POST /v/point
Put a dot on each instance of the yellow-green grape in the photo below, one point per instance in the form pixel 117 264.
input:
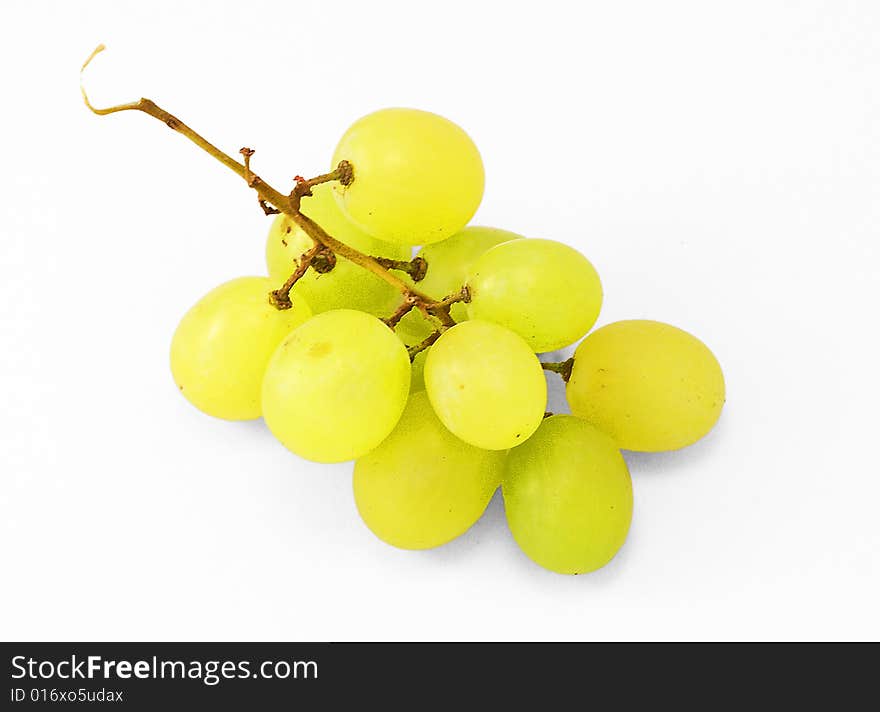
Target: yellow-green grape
pixel 222 345
pixel 545 291
pixel 449 262
pixel 649 385
pixel 486 385
pixel 335 388
pixel 422 487
pixel 417 383
pixel 568 496
pixel 418 178
pixel 414 328
pixel 347 285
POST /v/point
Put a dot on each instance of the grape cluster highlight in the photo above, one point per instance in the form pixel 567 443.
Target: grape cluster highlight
pixel 423 368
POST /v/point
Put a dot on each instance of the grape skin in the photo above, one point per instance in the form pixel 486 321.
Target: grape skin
pixel 418 177
pixel 545 291
pixel 649 385
pixel 414 328
pixel 336 387
pixel 222 345
pixel 568 496
pixel 347 285
pixel 486 385
pixel 423 487
pixel 417 383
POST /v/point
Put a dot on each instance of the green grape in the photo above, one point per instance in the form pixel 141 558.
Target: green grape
pixel 336 387
pixel 414 328
pixel 222 345
pixel 347 285
pixel 545 291
pixel 449 262
pixel 417 382
pixel 418 178
pixel 568 496
pixel 486 385
pixel 649 385
pixel 422 487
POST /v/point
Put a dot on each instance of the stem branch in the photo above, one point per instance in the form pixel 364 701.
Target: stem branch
pixel 344 173
pixel 462 295
pixel 405 308
pixel 280 298
pixel 416 268
pixel 418 348
pixel 273 201
pixel 563 368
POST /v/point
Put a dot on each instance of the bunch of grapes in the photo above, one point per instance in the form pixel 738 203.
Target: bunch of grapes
pixel 423 369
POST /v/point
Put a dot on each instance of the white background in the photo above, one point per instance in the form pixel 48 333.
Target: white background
pixel 718 162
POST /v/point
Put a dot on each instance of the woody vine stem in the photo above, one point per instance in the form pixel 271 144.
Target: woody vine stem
pixel 322 256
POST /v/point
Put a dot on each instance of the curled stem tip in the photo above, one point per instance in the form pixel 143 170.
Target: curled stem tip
pixel 323 257
pixel 100 48
pixel 107 109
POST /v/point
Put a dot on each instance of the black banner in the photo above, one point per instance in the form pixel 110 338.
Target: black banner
pixel 243 676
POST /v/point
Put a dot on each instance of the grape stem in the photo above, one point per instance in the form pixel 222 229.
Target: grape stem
pixel 273 201
pixel 280 298
pixel 439 309
pixel 416 268
pixel 563 368
pixel 462 295
pixel 418 348
pixel 344 173
pixel 405 308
